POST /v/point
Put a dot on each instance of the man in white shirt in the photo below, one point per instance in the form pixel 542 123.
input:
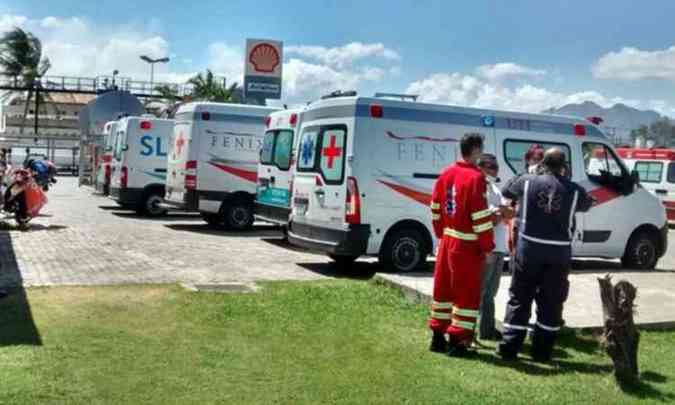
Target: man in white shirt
pixel 494 262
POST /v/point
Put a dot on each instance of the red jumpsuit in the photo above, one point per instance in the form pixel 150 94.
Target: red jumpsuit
pixel 463 222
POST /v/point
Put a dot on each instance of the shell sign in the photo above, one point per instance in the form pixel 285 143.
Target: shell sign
pixel 264 61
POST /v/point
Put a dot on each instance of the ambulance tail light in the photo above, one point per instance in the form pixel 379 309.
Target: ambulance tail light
pixel 580 130
pixel 206 116
pixel 352 203
pixel 293 120
pixel 124 177
pixel 318 182
pixel 376 111
pixel 191 174
pixel 108 173
pixel 268 121
pixel 146 125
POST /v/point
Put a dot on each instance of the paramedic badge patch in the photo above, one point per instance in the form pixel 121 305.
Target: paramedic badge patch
pixel 549 201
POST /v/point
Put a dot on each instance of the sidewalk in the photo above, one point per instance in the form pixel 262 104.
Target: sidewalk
pixel 583 310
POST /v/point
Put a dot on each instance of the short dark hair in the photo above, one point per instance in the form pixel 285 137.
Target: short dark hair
pixel 488 160
pixel 554 160
pixel 469 142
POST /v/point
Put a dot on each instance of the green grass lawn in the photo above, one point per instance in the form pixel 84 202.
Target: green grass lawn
pixel 338 341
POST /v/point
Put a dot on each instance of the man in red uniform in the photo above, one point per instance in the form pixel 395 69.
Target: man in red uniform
pixel 463 222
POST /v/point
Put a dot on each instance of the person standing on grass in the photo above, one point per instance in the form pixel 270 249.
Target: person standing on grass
pixel 546 207
pixel 463 222
pixel 494 261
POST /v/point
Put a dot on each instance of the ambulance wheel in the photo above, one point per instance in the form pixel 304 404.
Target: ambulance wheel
pixel 151 205
pixel 403 250
pixel 641 252
pixel 239 215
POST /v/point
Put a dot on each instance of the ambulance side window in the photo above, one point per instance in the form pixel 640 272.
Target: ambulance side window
pixel 650 172
pixel 600 161
pixel 515 150
pixel 671 172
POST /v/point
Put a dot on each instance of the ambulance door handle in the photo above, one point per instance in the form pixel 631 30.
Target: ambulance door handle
pixel 661 191
pixel 319 192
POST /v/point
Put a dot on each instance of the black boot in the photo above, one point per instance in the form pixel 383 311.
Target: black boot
pixel 438 343
pixel 505 353
pixel 459 349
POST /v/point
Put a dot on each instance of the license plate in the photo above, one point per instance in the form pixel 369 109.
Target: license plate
pixel 176 195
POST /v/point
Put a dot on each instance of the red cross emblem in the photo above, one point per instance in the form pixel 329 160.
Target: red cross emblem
pixel 180 142
pixel 331 152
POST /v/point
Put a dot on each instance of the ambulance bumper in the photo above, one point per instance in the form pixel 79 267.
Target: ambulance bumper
pixel 350 242
pixel 272 213
pixel 127 196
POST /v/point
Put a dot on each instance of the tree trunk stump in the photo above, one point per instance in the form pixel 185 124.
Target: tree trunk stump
pixel 620 336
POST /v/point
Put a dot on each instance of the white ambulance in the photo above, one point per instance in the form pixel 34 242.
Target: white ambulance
pixel 656 168
pixel 139 163
pixel 366 168
pixel 275 171
pixel 104 170
pixel 213 161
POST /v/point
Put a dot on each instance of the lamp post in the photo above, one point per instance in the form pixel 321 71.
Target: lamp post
pixel 152 67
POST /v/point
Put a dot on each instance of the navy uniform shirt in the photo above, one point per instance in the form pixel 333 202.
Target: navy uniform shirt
pixel 547 204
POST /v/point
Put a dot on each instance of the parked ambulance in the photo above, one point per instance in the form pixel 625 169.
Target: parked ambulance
pixel 366 168
pixel 213 161
pixel 104 168
pixel 139 163
pixel 275 172
pixel 656 168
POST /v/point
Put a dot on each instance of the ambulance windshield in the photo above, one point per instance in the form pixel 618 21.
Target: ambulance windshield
pixel 276 149
pixel 322 149
pixel 650 172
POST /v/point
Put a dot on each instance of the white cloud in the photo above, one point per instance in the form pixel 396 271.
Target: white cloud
pixel 634 64
pixel 343 56
pixel 467 90
pixel 504 70
pixel 305 81
pixel 7 22
pixel 226 60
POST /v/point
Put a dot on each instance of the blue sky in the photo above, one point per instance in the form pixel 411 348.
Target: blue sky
pixel 524 55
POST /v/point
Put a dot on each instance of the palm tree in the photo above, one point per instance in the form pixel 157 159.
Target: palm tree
pixel 21 58
pixel 207 88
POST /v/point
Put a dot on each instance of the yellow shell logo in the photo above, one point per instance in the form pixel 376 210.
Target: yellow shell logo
pixel 264 58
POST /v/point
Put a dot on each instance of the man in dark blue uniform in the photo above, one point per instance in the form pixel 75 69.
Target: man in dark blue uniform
pixel 547 204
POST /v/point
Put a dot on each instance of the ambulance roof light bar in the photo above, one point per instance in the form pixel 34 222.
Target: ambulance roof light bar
pixel 339 93
pixel 402 97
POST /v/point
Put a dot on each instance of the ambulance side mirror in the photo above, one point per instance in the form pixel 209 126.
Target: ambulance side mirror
pixel 635 176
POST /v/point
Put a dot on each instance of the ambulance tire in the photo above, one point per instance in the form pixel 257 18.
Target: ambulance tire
pixel 238 215
pixel 404 250
pixel 641 252
pixel 150 204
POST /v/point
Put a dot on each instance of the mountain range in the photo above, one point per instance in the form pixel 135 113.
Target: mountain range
pixel 619 116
